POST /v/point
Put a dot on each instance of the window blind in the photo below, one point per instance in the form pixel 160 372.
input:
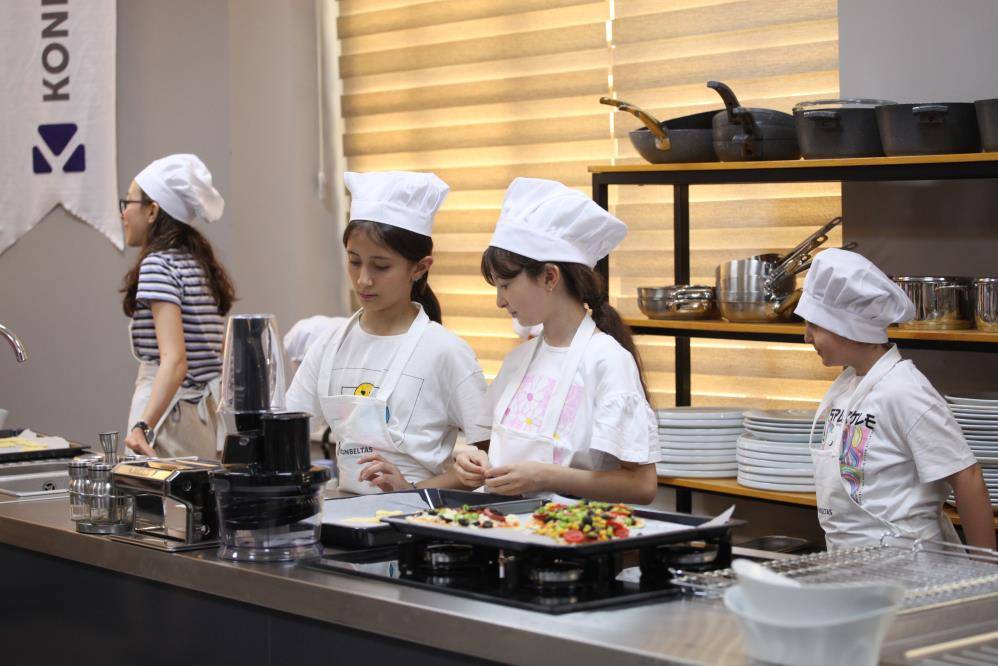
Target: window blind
pixel 482 91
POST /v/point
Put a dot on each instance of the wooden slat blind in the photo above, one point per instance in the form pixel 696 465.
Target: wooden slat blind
pixel 482 91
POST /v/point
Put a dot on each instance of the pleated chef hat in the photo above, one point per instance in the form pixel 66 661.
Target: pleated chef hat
pixel 547 221
pixel 181 185
pixel 846 294
pixel 403 199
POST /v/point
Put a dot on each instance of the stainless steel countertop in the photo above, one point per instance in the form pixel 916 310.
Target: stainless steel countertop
pixel 685 631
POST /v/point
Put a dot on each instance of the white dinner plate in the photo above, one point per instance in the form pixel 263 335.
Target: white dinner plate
pixel 800 479
pixel 981 439
pixel 694 424
pixel 982 399
pixel 960 411
pixel 752 459
pixel 785 487
pixel 780 427
pixel 696 458
pixel 786 438
pixel 710 474
pixel 781 415
pixel 806 472
pixel 699 445
pixel 696 432
pixel 978 428
pixel 703 467
pixel 699 413
pixel 769 447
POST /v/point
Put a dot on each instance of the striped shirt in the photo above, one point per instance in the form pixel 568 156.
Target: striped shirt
pixel 176 277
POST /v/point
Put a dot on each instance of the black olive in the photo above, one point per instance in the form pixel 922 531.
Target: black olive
pixel 462 521
pixel 487 523
pixel 588 520
pixel 432 512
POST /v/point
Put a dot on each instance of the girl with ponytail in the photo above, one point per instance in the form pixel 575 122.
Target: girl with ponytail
pixel 570 412
pixel 393 385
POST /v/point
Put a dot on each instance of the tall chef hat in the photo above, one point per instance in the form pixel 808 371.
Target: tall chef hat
pixel 402 199
pixel 547 221
pixel 846 294
pixel 181 185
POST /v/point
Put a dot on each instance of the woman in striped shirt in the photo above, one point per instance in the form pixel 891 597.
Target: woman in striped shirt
pixel 177 295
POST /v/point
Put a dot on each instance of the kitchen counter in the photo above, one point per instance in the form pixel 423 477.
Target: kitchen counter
pixel 436 628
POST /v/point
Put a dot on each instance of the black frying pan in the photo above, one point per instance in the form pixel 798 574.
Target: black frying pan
pixel 684 139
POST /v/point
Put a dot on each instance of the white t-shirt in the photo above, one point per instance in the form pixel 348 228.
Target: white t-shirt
pixel 898 446
pixel 441 391
pixel 606 418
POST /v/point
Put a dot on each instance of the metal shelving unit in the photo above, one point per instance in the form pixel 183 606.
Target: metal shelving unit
pixel 872 169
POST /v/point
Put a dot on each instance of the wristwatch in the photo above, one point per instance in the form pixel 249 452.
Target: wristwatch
pixel 147 432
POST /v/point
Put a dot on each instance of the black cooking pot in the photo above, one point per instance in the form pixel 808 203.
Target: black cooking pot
pixel 839 128
pixel 684 139
pixel 742 133
pixel 987 122
pixel 928 129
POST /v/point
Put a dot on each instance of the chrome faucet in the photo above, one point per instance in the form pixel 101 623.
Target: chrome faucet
pixel 15 343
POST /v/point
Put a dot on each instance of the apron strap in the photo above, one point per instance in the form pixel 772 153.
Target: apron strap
pixel 556 405
pixel 332 346
pixel 393 373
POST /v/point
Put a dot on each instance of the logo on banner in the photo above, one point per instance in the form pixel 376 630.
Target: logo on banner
pixel 56 139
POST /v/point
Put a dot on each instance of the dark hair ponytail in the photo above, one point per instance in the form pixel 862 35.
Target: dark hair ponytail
pixel 583 283
pixel 410 245
pixel 168 233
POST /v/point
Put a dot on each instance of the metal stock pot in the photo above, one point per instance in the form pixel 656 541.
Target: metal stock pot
pixel 941 303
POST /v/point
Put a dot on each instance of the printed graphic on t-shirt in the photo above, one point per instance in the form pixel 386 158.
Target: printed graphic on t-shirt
pixel 526 411
pixel 364 382
pixel 857 431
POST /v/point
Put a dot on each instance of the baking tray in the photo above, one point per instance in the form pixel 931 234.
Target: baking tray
pixel 661 528
pixel 72 451
pixel 335 512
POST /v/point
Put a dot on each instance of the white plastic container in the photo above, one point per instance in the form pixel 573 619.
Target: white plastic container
pixel 851 641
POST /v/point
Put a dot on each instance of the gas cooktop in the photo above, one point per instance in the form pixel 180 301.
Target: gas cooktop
pixel 534 580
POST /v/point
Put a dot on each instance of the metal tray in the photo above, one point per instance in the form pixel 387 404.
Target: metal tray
pixel 337 532
pixel 45 454
pixel 517 540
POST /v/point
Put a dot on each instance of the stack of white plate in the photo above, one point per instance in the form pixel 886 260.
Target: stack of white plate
pixel 699 441
pixel 977 414
pixel 773 453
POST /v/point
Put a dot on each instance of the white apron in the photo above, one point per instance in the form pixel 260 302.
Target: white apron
pixel 143 391
pixel 360 424
pixel 510 446
pixel 832 490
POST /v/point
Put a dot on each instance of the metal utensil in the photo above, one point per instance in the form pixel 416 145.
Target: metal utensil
pixel 742 133
pixel 799 258
pixel 109 444
pixel 928 129
pixel 941 303
pixel 831 128
pixel 986 303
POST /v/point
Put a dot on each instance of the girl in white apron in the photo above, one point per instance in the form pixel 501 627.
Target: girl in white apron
pixel 176 296
pixel 394 386
pixel 570 411
pixel 891 450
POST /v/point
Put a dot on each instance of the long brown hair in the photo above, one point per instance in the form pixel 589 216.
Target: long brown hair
pixel 167 233
pixel 410 245
pixel 583 284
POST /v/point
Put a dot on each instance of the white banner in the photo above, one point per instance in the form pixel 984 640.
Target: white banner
pixel 57 116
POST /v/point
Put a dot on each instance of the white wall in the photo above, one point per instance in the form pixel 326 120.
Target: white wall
pixel 234 82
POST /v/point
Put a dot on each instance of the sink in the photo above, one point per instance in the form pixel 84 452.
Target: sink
pixel 33 480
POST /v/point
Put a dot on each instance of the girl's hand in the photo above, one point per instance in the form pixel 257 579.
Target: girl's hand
pixel 382 473
pixel 136 441
pixel 523 478
pixel 470 467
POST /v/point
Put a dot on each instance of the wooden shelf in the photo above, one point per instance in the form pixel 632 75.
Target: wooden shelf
pixel 731 488
pixel 970 339
pixel 913 160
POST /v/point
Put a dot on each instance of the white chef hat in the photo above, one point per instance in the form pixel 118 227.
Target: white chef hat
pixel 306 332
pixel 181 185
pixel 547 221
pixel 402 199
pixel 846 294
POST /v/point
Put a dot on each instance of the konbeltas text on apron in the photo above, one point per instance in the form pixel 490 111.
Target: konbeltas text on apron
pixel 363 424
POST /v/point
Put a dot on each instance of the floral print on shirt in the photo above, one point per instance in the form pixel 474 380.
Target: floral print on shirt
pixel 526 410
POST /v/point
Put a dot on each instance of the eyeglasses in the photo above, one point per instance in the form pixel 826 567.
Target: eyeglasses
pixel 123 204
